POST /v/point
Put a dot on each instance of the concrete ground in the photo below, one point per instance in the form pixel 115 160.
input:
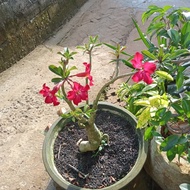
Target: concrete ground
pixel 24 116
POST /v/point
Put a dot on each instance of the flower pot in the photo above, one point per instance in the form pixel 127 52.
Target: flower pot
pixel 168 175
pixel 125 183
pixel 180 127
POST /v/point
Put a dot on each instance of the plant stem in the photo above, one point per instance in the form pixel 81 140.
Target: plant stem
pixel 117 67
pixel 70 104
pixel 95 103
pixel 181 61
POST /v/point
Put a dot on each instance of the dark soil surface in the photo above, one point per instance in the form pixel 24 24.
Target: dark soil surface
pixel 110 165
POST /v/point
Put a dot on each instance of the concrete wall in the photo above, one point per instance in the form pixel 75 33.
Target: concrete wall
pixel 24 24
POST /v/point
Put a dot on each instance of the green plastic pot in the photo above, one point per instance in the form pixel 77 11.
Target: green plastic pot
pixel 124 183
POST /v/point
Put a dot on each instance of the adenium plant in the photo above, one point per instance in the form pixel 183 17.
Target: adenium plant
pixel 78 92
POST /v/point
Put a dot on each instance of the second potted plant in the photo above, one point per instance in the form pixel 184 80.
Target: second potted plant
pixel 167 100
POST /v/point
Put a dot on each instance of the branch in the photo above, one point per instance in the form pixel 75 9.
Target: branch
pixel 68 101
pixel 180 61
pixel 95 103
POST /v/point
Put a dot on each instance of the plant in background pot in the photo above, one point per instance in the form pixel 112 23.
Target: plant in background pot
pixel 93 145
pixel 167 100
pixel 184 186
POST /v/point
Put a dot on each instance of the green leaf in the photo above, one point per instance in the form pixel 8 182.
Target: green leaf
pixel 178 53
pixel 131 107
pixel 174 36
pixel 56 80
pixel 181 149
pixel 161 41
pixel 169 142
pixel 185 9
pixel 165 118
pixel 146 15
pixel 137 87
pixel 93 39
pixel 149 87
pixel 161 112
pixel 177 108
pixel 155 101
pixel 72 68
pixel 73 119
pixel 185 34
pixel 68 71
pixel 164 75
pixel 66 54
pixel 167 7
pixel 163 33
pixel 127 63
pixel 148 133
pixel 150 55
pixel 158 17
pixel 186 107
pixel 188 155
pixel 156 134
pixel 173 17
pixel 80 47
pixel 142 102
pixel 171 154
pixel 155 26
pixel 182 140
pixel 151 10
pixel 110 46
pixel 124 53
pixel 179 77
pixel 144 118
pixel 65 116
pixel 56 70
pixel 147 43
pixel 167 55
pixel 86 108
pixel 152 93
pixel 163 115
pixel 72 53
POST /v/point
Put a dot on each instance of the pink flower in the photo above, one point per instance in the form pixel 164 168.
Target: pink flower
pixel 50 94
pixel 86 73
pixel 144 69
pixel 78 93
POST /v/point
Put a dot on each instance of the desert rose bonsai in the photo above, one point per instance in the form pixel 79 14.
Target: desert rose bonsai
pixel 65 79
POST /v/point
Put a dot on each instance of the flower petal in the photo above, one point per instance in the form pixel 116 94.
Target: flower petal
pixel 48 100
pixel 45 90
pixel 137 60
pixel 50 94
pixel 147 78
pixel 78 93
pixel 149 67
pixel 71 95
pixel 86 73
pixel 137 77
pixel 77 100
pixel 55 102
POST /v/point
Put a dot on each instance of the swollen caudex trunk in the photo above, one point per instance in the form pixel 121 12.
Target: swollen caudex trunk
pixel 95 136
pixel 94 139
